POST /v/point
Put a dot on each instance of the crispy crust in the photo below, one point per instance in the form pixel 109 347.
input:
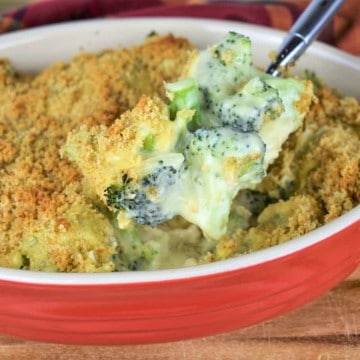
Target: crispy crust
pixel 103 153
pixel 38 189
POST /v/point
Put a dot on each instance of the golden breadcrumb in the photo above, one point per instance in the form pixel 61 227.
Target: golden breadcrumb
pixel 322 158
pixel 280 222
pixel 277 223
pixel 41 193
pixel 104 153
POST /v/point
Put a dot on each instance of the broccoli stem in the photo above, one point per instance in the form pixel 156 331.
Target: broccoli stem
pixel 184 94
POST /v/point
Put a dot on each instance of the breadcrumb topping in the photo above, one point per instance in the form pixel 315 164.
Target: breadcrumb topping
pixel 41 194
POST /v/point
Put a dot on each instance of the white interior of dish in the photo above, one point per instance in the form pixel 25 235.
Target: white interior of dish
pixel 32 50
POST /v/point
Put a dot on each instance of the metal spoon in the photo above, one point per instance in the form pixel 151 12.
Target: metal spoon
pixel 305 30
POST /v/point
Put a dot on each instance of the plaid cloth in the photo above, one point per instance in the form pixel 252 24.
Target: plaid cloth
pixel 343 32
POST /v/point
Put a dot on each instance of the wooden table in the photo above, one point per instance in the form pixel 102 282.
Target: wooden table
pixel 327 328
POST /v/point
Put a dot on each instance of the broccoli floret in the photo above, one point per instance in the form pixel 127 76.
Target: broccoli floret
pixel 142 200
pixel 220 71
pixel 218 163
pixel 133 165
pixel 234 93
pixel 249 107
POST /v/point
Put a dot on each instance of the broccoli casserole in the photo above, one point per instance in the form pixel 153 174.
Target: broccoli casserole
pixel 142 158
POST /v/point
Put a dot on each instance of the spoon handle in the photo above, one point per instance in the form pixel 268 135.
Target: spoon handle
pixel 305 30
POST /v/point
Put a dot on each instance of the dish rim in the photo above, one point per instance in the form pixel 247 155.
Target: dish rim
pixel 223 266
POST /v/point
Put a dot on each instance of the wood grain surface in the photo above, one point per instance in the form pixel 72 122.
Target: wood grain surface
pixel 327 328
